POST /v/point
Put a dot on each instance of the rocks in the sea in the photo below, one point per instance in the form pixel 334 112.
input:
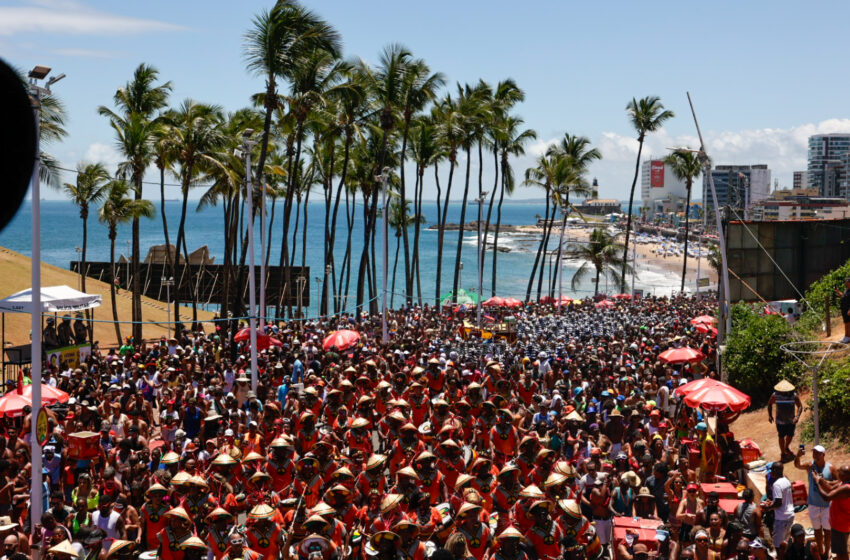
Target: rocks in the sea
pixel 473 226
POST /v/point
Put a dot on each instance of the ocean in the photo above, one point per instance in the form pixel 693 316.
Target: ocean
pixel 61 233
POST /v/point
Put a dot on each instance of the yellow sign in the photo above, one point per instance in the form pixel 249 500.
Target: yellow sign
pixel 41 427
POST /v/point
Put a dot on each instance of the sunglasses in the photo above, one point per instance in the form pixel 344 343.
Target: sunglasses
pixel 702 540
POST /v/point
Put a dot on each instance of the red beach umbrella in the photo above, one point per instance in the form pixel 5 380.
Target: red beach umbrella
pixel 704 319
pixel 622 296
pixel 546 299
pixel 681 356
pixel 494 301
pixel 690 387
pixel 719 396
pixel 705 328
pixel 342 339
pixel 12 404
pixel 606 304
pixel 513 302
pixel 243 335
pixel 49 395
pixel 265 341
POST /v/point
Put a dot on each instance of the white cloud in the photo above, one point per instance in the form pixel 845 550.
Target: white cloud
pixel 784 150
pixel 539 146
pixel 69 17
pixel 98 152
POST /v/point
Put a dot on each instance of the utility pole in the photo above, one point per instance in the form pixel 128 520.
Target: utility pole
pixel 36 488
pixel 725 317
pixel 168 282
pixel 262 251
pixel 247 144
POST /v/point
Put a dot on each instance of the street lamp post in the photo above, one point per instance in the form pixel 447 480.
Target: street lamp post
pixel 300 281
pixel 36 94
pixel 168 282
pixel 79 251
pixel 247 144
pixel 385 174
pixel 480 201
pixel 328 271
pixel 127 272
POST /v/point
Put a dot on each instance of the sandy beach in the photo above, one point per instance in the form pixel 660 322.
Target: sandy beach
pixel 647 259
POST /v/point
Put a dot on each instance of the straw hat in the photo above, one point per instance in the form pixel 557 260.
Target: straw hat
pixel 223 459
pixel 390 501
pixel 375 460
pixel 632 477
pixel 449 443
pixel 409 428
pixel 408 472
pixel 280 442
pixel 404 523
pixel 565 469
pixel 509 468
pixel 178 512
pixel 509 533
pixel 359 422
pixel 317 522
pixel 313 543
pixel 554 479
pixel 463 479
pixel 153 488
pixel 322 509
pixel 65 548
pixel 425 456
pixel 342 472
pixel 261 511
pixel 526 440
pixel 532 491
pixel 259 475
pixel 339 489
pixel 644 493
pixel 181 478
pixel 467 509
pixel 570 507
pixel 219 512
pixel 252 456
pixel 302 462
pixel 170 458
pixel 541 503
pixel 381 536
pixel 574 416
pixel 191 542
pixel 784 386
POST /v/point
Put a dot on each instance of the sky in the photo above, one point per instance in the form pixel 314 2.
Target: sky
pixel 764 75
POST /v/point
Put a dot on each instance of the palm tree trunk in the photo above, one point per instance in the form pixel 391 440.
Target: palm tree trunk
pixel 395 267
pixel 112 236
pixel 441 223
pixel 369 224
pixel 136 284
pixel 490 214
pixel 85 213
pixel 417 211
pixel 346 262
pixel 549 221
pixel 269 234
pixel 181 235
pixel 496 232
pixel 332 241
pixel 629 219
pixel 304 231
pixel 459 252
pixel 408 277
pixel 295 229
pixel 541 250
pixel 596 284
pixel 687 225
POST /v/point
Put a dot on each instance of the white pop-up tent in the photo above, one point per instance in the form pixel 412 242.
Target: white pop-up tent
pixel 54 299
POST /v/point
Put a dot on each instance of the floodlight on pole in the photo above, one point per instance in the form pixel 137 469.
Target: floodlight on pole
pixel 247 144
pixel 36 488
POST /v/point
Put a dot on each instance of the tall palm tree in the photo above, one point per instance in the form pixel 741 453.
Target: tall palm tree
pixel 646 115
pixel 277 39
pixel 195 139
pixel 419 88
pixel 134 125
pixel 600 256
pixel 400 219
pixel 544 175
pixel 89 189
pixel 118 208
pixel 686 167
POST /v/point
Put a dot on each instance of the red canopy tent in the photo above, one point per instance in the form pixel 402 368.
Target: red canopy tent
pixel 342 339
pixel 681 356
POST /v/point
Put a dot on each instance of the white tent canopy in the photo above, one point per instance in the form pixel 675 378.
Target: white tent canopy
pixel 54 299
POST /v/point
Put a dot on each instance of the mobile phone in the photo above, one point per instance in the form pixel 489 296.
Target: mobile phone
pixel 802 447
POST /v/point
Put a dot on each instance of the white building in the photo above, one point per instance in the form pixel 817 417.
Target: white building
pixel 658 183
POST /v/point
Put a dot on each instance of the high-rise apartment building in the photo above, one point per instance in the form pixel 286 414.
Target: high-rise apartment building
pixel 829 164
pixel 737 186
pixel 658 184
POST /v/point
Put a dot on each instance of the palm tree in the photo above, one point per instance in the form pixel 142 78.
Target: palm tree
pixel 89 189
pixel 600 255
pixel 686 167
pixel 419 88
pixel 119 208
pixel 134 126
pixel 194 141
pixel 277 40
pixel 646 115
pixel 545 176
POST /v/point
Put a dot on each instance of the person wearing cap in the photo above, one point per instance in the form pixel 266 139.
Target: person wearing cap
pixel 818 509
pixel 545 534
pixel 178 529
pixel 264 535
pixel 709 462
pixel 220 524
pixel 797 548
pixel 781 501
pixel 837 493
pixel 405 449
pixel 152 515
pixel 279 464
pixel 789 407
pixel 689 508
pixel 308 481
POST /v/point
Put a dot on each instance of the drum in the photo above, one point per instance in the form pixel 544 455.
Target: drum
pixel 370 551
pixel 148 555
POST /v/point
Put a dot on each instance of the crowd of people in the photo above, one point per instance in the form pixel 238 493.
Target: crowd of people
pixel 431 445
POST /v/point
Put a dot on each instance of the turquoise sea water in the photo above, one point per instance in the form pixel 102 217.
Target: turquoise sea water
pixel 61 233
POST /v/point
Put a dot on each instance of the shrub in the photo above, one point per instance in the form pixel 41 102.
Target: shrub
pixel 819 293
pixel 753 358
pixel 834 398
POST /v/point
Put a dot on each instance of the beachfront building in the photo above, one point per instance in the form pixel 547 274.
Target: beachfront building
pixel 801 180
pixel 737 186
pixel 829 164
pixel 800 207
pixel 660 189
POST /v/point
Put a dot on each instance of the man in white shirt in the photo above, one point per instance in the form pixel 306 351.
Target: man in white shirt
pixel 782 504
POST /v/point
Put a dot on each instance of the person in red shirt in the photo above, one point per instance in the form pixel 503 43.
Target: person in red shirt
pixel 357 437
pixel 279 464
pixel 220 523
pixel 412 546
pixel 545 535
pixel 506 494
pixel 526 389
pixel 390 514
pixel 504 438
pixel 430 479
pixel 405 448
pixel 372 479
pixel 450 463
pixel 339 497
pixel 153 515
pixel 264 535
pixel 477 534
pixel 528 447
pixel 308 481
pixel 543 466
pixel 419 403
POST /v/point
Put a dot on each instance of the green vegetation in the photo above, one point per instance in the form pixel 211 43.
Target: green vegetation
pixel 754 360
pixel 817 295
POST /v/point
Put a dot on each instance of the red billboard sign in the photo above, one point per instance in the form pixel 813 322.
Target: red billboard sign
pixel 656 177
